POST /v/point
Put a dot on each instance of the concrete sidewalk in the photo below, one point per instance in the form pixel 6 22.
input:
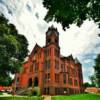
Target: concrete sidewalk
pixel 47 97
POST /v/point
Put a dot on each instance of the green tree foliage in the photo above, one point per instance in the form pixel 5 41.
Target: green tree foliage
pixel 13 50
pixel 97 70
pixel 72 11
pixel 5 81
pixel 92 79
pixel 85 85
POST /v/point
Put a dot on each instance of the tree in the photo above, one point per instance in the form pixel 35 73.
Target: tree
pixel 86 84
pixel 72 11
pixel 5 81
pixel 97 70
pixel 92 79
pixel 13 50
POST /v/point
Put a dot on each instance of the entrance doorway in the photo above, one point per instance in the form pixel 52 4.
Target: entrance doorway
pixel 30 82
pixel 35 82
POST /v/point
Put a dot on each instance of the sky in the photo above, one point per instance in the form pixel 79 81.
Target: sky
pixel 28 17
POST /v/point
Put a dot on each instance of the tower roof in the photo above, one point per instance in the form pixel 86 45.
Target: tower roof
pixel 52 30
pixel 77 61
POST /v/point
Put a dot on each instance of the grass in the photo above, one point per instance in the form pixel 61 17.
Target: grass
pixel 20 98
pixel 78 97
pixel 0 93
pixel 71 97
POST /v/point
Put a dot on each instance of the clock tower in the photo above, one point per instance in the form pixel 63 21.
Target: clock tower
pixel 52 36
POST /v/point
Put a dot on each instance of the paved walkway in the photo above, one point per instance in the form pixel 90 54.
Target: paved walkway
pixel 5 94
pixel 47 97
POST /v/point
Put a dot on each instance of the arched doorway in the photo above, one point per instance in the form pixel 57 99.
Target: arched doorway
pixel 30 82
pixel 35 82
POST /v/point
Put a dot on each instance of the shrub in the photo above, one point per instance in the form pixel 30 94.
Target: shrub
pixel 1 93
pixel 36 91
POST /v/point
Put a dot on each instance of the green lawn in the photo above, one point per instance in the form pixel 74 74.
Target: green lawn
pixel 20 98
pixel 78 97
pixel 71 97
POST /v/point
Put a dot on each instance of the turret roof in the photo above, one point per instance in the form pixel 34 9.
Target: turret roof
pixel 51 30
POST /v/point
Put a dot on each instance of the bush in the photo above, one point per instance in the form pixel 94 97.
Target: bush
pixel 36 91
pixel 1 93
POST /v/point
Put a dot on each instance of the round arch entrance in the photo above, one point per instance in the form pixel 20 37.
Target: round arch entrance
pixel 30 82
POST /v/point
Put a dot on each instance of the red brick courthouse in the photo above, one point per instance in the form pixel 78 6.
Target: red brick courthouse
pixel 52 73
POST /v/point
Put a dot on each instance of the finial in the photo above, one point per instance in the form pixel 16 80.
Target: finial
pixel 52 26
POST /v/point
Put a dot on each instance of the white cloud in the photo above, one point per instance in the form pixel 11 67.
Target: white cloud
pixel 88 71
pixel 28 16
pixel 87 61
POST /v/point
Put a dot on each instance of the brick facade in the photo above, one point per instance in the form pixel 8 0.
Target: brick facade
pixel 53 73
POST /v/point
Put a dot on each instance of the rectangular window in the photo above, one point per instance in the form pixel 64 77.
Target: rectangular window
pixel 70 81
pixel 57 78
pixel 50 51
pixel 39 55
pixel 64 78
pixel 57 91
pixel 45 53
pixel 75 82
pixel 68 69
pixel 56 64
pixel 31 68
pixel 63 67
pixel 36 66
pixel 75 73
pixel 56 52
pixel 47 77
pixel 47 64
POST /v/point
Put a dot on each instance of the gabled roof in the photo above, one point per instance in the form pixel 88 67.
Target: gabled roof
pixel 70 57
pixel 36 47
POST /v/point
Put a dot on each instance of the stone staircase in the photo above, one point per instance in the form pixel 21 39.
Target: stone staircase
pixel 23 91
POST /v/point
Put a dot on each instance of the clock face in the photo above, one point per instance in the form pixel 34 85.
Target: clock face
pixel 49 33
